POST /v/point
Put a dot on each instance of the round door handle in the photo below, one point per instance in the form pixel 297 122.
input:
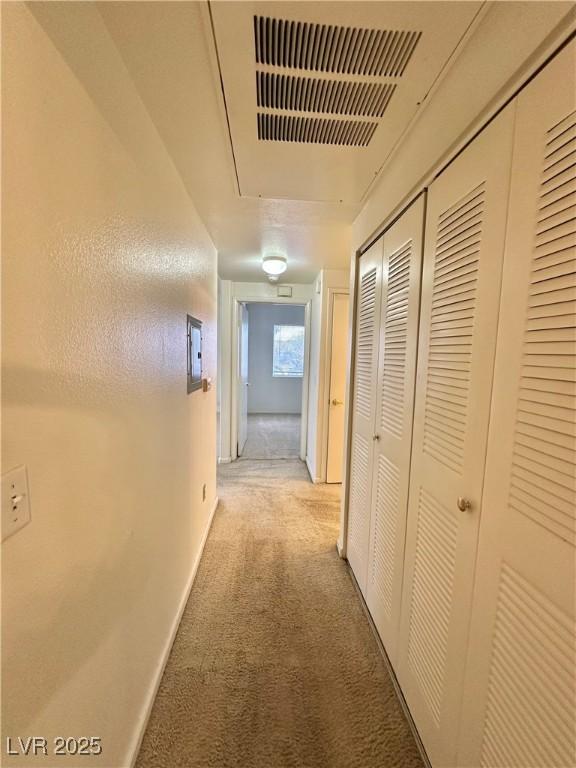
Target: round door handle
pixel 337 402
pixel 463 504
pixel 376 437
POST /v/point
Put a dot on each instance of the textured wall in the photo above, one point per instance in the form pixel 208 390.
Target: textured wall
pixel 103 255
pixel 267 393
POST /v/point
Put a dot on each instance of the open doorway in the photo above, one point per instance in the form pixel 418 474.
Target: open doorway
pixel 271 375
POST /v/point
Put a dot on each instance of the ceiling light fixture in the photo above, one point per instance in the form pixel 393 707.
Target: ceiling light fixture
pixel 274 264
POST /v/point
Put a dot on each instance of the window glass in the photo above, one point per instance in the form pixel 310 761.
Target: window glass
pixel 288 354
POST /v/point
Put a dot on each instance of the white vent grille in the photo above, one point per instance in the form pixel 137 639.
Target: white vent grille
pixel 531 697
pixel 314 130
pixel 325 48
pixel 451 329
pixel 431 602
pixel 395 341
pixel 308 94
pixel 543 481
pixel 365 344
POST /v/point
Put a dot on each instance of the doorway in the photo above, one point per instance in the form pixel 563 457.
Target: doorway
pixel 271 375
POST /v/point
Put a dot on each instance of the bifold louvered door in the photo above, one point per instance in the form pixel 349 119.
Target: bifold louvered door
pixel 363 409
pixel 398 324
pixel 519 703
pixel 464 245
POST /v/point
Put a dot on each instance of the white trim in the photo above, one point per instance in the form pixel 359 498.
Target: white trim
pixel 312 478
pixel 225 460
pixel 142 723
pixel 332 291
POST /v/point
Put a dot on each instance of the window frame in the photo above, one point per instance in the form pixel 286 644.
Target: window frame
pixel 300 374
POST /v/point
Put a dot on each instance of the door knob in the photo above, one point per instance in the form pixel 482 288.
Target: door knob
pixel 463 504
pixel 337 402
pixel 376 437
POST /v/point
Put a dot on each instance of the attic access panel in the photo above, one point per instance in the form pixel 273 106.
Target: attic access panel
pixel 318 94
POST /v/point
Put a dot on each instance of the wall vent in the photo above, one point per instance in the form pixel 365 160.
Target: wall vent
pixel 315 130
pixel 307 94
pixel 326 48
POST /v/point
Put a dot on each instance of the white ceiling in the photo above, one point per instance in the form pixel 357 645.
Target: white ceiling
pixel 169 52
pixel 305 52
pixel 194 68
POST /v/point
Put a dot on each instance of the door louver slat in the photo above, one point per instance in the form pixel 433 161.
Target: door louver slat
pixel 359 497
pixel 532 656
pixel 365 343
pixel 459 233
pixel 431 598
pixel 395 341
pixel 542 485
pixel 384 535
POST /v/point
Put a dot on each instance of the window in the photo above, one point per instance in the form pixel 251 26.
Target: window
pixel 288 354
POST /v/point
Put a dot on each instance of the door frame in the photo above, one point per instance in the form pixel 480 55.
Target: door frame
pixel 327 378
pixel 307 304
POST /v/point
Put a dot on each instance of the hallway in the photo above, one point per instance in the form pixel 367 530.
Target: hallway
pixel 274 664
pixel 272 436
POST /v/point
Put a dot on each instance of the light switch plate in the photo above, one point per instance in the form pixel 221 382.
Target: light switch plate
pixel 15 501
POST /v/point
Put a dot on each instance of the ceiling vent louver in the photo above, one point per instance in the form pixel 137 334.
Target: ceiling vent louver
pixel 325 48
pixel 315 130
pixel 306 94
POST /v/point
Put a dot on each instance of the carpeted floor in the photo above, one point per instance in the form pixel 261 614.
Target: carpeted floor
pixel 275 665
pixel 272 436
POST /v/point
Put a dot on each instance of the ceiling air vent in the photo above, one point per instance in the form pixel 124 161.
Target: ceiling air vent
pixel 306 94
pixel 315 130
pixel 325 48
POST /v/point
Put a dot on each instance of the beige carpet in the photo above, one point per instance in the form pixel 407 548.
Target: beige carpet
pixel 272 436
pixel 275 665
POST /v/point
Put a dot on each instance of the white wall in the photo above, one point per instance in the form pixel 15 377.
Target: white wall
pixel 328 280
pixel 103 256
pixel 268 393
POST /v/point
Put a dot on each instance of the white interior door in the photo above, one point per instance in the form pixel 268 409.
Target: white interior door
pixel 401 272
pixel 364 409
pixel 338 353
pixel 519 704
pixel 242 378
pixel 464 244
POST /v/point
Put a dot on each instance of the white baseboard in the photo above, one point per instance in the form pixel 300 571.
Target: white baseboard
pixel 140 728
pixel 224 460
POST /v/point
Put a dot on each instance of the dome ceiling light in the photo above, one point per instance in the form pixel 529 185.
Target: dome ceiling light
pixel 274 264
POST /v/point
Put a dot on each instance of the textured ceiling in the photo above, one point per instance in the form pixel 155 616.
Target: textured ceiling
pixel 170 52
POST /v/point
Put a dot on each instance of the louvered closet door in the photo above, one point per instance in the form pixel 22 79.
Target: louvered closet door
pixel 519 704
pixel 401 271
pixel 463 254
pixel 363 409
